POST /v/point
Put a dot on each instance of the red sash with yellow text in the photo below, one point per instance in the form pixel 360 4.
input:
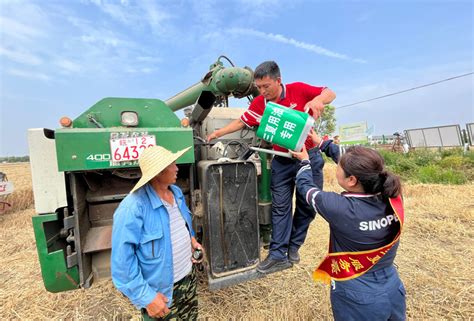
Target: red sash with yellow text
pixel 343 266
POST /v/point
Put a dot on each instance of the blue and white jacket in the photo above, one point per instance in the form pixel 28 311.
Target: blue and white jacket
pixel 142 257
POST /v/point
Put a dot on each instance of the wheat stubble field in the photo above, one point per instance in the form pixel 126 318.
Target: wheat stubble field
pixel 435 261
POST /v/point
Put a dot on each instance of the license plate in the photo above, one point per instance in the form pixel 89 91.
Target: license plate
pixel 130 148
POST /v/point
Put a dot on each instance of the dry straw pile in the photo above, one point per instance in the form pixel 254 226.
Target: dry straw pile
pixel 434 261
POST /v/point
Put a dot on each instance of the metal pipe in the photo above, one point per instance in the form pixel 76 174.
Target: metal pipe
pixel 220 81
pixel 264 195
pixel 265 198
pixel 186 97
pixel 271 151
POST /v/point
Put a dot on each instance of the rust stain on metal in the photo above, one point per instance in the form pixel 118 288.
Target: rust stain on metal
pixel 70 279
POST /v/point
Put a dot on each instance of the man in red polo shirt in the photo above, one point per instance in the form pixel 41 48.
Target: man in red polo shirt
pixel 288 232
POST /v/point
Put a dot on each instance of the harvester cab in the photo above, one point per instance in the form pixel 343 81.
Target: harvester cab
pixel 83 170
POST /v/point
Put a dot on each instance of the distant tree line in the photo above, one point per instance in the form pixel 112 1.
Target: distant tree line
pixel 14 159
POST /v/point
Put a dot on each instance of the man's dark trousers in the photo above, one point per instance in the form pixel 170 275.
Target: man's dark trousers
pixel 288 231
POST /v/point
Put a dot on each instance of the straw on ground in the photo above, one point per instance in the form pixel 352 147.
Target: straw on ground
pixel 434 261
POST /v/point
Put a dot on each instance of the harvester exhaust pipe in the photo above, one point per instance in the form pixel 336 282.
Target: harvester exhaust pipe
pixel 202 107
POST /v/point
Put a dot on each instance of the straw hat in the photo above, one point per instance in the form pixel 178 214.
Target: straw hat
pixel 153 161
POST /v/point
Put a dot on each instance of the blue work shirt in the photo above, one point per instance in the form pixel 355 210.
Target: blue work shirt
pixel 357 222
pixel 142 257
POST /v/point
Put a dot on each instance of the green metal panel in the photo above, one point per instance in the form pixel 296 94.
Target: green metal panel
pixel 88 149
pixel 107 112
pixel 56 276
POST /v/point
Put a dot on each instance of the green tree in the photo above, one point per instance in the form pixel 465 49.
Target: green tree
pixel 326 124
pixel 14 159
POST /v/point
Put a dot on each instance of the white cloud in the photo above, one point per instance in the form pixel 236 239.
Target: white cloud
pixel 68 66
pixel 156 16
pixel 96 2
pixel 259 10
pixel 21 57
pixel 93 34
pixel 20 31
pixel 149 59
pixel 110 41
pixel 117 12
pixel 28 74
pixel 208 13
pixel 144 70
pixel 293 42
pixel 104 50
pixel 140 14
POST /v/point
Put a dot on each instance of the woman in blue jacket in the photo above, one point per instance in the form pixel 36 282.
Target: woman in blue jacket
pixel 365 224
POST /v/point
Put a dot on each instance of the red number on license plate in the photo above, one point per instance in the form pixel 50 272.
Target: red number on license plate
pixel 130 148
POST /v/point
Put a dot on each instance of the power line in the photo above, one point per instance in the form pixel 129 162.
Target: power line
pixel 403 91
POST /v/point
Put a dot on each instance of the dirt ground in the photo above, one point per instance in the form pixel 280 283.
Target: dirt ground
pixel 435 261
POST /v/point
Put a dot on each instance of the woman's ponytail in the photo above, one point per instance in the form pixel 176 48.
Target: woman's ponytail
pixel 392 186
pixel 367 165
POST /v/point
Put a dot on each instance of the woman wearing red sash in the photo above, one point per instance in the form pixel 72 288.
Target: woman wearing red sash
pixel 365 224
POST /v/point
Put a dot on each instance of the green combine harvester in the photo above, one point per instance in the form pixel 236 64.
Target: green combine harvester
pixel 83 170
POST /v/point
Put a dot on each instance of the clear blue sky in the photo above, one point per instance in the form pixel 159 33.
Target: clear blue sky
pixel 60 57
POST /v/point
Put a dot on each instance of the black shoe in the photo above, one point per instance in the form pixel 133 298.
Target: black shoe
pixel 293 256
pixel 270 265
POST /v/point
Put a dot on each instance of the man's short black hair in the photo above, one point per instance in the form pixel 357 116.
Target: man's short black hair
pixel 267 68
